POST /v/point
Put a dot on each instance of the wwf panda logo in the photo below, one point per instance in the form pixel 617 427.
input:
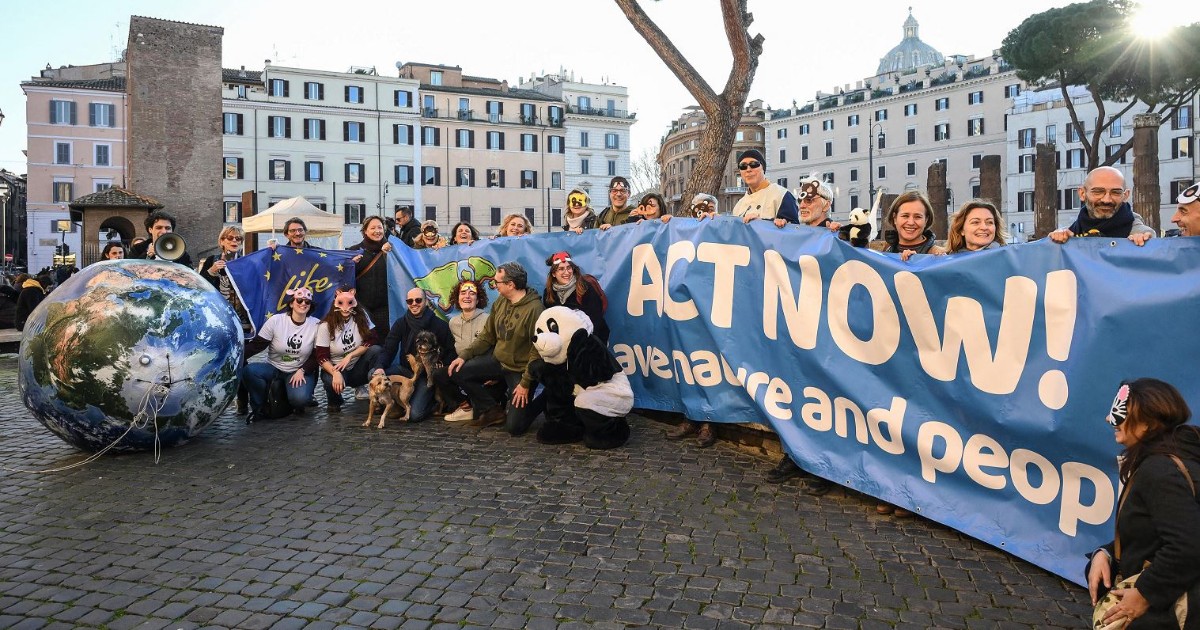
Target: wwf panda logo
pixel 295 341
pixel 348 334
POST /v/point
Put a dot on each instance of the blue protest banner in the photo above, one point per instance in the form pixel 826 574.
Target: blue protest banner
pixel 263 278
pixel 971 389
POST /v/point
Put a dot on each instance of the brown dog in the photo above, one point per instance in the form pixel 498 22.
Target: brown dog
pixel 388 391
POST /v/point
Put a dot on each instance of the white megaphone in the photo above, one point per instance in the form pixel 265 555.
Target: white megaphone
pixel 170 246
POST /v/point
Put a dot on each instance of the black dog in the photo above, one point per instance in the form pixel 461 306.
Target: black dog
pixel 428 353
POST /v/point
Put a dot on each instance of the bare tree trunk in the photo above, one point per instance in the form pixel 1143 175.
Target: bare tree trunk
pixel 1146 188
pixel 723 110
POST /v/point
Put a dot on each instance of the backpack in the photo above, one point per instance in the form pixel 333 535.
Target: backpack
pixel 277 405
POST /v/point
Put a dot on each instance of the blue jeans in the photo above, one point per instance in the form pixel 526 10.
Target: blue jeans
pixel 257 376
pixel 360 374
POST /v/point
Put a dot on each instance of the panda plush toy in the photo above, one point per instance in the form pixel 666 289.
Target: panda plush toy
pixel 587 393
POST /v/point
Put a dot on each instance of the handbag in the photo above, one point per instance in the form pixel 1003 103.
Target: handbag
pixel 277 405
pixel 1109 600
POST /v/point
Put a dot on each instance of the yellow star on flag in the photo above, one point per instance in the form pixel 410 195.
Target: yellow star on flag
pixel 299 250
pixel 267 275
pixel 323 255
pixel 341 267
pixel 276 256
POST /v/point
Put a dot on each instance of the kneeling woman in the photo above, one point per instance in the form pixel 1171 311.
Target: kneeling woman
pixel 289 338
pixel 346 347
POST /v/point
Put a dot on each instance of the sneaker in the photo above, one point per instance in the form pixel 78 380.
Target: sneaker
pixel 683 430
pixel 490 417
pixel 362 393
pixel 784 470
pixel 461 415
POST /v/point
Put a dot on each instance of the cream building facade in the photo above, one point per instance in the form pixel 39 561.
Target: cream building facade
pixel 346 141
pixel 680 149
pixel 597 127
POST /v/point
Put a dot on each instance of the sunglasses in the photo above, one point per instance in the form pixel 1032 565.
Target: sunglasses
pixel 414 300
pixel 744 166
pixel 237 239
pixel 619 190
pixel 302 300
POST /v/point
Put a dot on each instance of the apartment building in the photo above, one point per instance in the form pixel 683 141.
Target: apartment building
pixel 487 150
pixel 77 133
pixel 679 151
pixel 1041 117
pixel 597 127
pixel 346 141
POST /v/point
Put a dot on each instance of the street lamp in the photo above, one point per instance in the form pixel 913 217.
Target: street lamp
pixel 4 216
pixel 871 159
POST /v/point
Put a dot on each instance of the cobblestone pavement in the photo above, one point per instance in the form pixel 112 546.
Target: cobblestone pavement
pixel 320 523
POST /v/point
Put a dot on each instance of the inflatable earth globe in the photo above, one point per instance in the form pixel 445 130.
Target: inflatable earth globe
pixel 127 354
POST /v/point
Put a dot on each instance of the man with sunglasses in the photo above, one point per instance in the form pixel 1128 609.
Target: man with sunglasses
pixel 764 199
pixel 503 350
pixel 617 213
pixel 1187 215
pixel 402 341
pixel 1106 210
pixel 579 215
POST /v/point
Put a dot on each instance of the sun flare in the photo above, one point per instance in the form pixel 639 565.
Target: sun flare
pixel 1152 20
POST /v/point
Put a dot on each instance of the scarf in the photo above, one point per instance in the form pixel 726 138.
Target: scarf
pixel 578 221
pixel 1119 225
pixel 563 291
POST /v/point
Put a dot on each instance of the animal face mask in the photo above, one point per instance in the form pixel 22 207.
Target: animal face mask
pixel 345 303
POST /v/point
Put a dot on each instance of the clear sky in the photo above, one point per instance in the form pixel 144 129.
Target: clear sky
pixel 807 48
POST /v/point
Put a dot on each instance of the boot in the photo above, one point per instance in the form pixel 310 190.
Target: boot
pixel 683 430
pixel 705 437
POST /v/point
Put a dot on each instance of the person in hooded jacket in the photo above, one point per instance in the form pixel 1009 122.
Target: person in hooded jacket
pixel 1158 517
pixel 32 294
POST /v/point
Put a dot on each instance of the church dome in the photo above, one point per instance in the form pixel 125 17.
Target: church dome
pixel 910 54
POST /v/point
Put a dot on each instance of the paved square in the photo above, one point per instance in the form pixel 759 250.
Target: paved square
pixel 320 523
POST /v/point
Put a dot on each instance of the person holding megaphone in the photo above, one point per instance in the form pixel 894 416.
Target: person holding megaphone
pixel 159 224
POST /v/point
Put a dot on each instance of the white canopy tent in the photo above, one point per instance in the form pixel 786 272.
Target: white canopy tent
pixel 319 223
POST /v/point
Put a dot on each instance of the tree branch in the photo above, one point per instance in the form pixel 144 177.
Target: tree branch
pixel 670 55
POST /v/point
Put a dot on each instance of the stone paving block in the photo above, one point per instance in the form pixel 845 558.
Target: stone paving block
pixel 483 531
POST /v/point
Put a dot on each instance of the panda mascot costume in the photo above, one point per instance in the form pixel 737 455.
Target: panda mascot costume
pixel 587 393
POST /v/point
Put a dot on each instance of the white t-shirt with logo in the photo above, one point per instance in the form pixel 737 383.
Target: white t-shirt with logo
pixel 291 343
pixel 341 342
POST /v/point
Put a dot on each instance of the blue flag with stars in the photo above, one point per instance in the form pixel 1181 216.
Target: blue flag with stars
pixel 263 278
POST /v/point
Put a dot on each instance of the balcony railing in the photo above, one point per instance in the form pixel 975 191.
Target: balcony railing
pixel 596 111
pixel 466 114
pixel 429 112
pixel 528 120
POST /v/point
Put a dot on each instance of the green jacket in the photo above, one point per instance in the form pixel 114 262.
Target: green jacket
pixel 508 333
pixel 612 216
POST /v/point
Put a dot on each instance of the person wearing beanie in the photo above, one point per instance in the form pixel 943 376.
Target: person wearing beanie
pixel 764 199
pixel 579 215
pixel 617 213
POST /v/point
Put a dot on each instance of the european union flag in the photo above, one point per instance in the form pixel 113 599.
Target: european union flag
pixel 263 278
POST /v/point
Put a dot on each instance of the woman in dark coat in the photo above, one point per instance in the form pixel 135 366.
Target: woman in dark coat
pixel 567 286
pixel 212 268
pixel 1158 518
pixel 371 283
pixel 32 294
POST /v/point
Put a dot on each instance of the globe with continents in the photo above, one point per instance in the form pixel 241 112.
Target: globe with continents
pixel 130 354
